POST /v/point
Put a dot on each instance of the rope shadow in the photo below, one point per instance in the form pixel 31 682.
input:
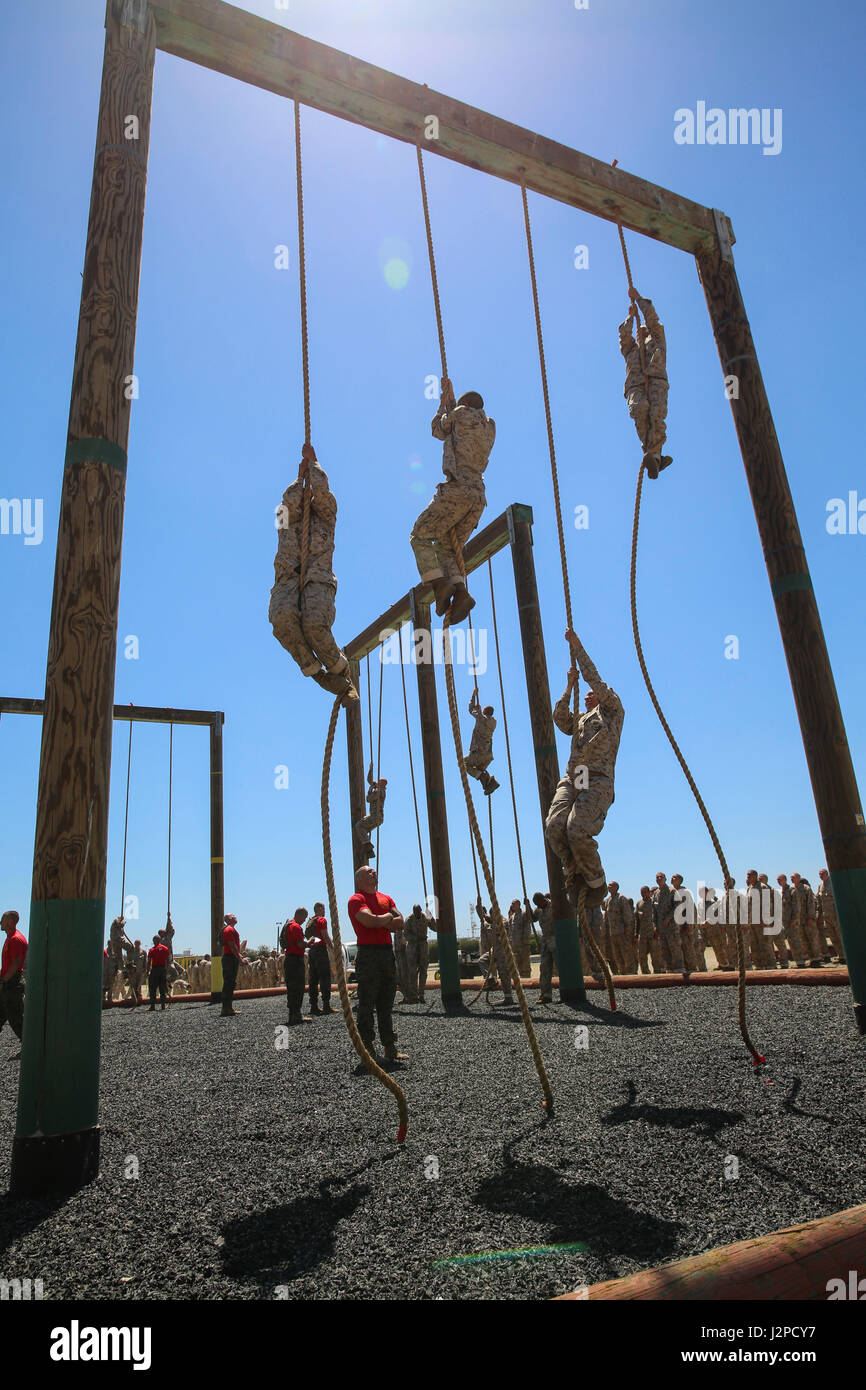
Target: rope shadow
pixel 707 1122
pixel 290 1240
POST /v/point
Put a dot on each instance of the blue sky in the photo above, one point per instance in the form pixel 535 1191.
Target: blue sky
pixel 217 429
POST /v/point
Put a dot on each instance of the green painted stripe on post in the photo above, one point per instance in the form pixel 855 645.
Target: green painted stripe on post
pixel 849 892
pixel 568 956
pixel 59 1088
pixel 449 966
pixel 95 451
pixel 546 750
pixel 786 583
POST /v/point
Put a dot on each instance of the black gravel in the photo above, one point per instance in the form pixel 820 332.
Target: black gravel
pixel 264 1169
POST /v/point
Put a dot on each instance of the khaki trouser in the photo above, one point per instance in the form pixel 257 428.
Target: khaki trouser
pixel 302 624
pixel 452 516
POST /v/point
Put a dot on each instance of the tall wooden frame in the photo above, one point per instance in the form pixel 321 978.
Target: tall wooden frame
pixel 68 897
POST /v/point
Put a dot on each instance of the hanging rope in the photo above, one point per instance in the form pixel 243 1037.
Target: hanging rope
pixel 126 817
pixel 412 771
pixel 505 728
pixel 170 779
pixel 369 1062
pixel 544 386
pixel 757 1059
pixel 432 259
pixel 302 272
pixel 379 747
pixel 495 914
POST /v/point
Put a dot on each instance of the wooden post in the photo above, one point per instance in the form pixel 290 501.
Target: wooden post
pixel 56 1145
pixel 217 859
pixel 571 985
pixel 437 815
pixel 355 752
pixel 837 799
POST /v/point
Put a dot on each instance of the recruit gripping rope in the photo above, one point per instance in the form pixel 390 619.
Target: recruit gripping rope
pixel 369 1061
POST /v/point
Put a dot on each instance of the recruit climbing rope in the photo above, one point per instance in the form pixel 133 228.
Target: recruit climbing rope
pixel 585 932
pixel 757 1058
pixel 369 1061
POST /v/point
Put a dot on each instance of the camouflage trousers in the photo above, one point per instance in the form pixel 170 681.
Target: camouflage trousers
pixel 649 414
pixel 692 949
pixel 476 764
pixel 371 821
pixel 649 948
pixel 401 964
pixel 376 974
pixel 501 961
pixel 761 948
pixel 671 947
pixel 595 922
pixel 416 964
pixel 521 948
pixel 831 929
pixel 12 1003
pixel 455 509
pixel 302 624
pixel 574 817
pixel 814 939
pixel 623 960
pixel 719 943
pixel 797 946
pixel 548 965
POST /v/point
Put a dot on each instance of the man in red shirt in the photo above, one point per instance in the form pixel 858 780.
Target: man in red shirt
pixel 320 961
pixel 294 946
pixel 231 959
pixel 374 917
pixel 12 974
pixel 157 958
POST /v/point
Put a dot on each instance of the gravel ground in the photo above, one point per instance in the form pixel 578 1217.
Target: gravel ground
pixel 265 1173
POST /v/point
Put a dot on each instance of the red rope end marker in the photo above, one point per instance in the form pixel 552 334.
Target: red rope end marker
pixel 401 1134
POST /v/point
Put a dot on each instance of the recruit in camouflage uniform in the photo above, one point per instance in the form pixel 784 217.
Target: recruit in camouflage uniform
pixel 480 753
pixel 685 919
pixel 646 381
pixel 459 502
pixel 135 971
pixel 619 920
pixel 543 915
pixel 415 930
pixel 585 793
pixel 760 944
pixel 715 935
pixel 664 906
pixel 119 943
pixel 797 950
pixel 828 916
pixel 648 944
pixel 302 619
pixel 376 794
pixel 595 922
pixel 490 942
pixel 401 963
pixel 520 935
pixel 805 916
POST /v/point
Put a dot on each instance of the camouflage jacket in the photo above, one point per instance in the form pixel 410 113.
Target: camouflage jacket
pixel 323 522
pixel 596 733
pixel 468 436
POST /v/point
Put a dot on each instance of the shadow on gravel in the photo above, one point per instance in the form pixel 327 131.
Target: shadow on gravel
pixel 707 1122
pixel 18 1218
pixel 575 1212
pixel 290 1240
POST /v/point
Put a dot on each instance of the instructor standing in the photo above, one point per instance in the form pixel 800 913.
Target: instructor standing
pixel 374 917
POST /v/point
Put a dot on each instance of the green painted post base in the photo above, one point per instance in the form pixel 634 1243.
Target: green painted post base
pixel 449 971
pixel 849 892
pixel 568 958
pixel 54 1163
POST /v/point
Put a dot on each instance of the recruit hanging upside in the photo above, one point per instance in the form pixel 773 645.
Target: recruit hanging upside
pixel 303 607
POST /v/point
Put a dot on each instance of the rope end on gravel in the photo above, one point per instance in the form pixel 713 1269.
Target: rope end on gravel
pixel 401 1134
pixel 758 1060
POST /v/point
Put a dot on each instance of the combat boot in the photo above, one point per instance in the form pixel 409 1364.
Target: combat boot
pixel 490 785
pixel 314 1009
pixel 461 605
pixel 442 592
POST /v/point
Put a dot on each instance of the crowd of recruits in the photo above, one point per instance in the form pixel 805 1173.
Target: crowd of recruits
pixel 129 959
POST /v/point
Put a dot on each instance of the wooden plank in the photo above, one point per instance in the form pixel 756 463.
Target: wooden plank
pixel 265 54
pixel 491 539
pixel 143 714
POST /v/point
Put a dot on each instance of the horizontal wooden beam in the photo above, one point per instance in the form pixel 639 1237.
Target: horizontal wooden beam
pixel 136 714
pixel 491 539
pixel 254 50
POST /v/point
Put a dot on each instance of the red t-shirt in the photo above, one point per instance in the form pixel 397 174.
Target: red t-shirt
pixel 294 939
pixel 14 951
pixel 231 938
pixel 318 927
pixel 378 904
pixel 158 955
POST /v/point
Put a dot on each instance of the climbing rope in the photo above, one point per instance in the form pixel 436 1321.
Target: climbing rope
pixel 757 1059
pixel 412 770
pixel 302 272
pixel 126 817
pixel 379 747
pixel 369 1061
pixel 432 259
pixel 495 914
pixel 741 955
pixel 170 769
